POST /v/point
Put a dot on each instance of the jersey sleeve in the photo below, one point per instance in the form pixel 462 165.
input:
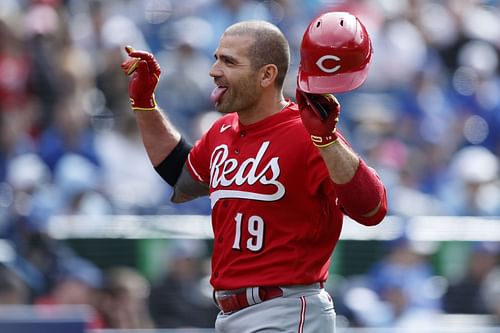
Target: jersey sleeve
pixel 364 194
pixel 364 198
pixel 198 161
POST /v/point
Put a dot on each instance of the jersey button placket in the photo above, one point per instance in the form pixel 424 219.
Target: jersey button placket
pixel 242 135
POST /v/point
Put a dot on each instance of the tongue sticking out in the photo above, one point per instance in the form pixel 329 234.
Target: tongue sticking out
pixel 217 94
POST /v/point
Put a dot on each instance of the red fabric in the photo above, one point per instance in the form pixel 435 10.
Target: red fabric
pixel 267 177
pixel 275 214
pixel 362 195
pixel 145 72
pixel 322 128
pixel 14 82
pixel 238 300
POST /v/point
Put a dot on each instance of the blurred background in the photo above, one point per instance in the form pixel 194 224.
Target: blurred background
pixel 86 224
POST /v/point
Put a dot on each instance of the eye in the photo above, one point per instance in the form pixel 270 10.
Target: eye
pixel 225 59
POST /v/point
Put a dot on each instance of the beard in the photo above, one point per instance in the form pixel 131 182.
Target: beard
pixel 240 96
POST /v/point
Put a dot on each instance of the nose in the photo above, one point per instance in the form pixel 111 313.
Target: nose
pixel 215 70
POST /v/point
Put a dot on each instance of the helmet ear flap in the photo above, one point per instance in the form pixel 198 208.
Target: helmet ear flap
pixel 335 54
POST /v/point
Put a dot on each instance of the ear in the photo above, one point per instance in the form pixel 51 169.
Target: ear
pixel 268 75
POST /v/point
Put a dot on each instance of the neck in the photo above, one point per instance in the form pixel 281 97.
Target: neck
pixel 263 109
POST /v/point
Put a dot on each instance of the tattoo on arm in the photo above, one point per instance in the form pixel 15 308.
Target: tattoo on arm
pixel 187 188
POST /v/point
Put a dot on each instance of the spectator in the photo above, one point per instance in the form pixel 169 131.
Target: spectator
pixel 403 280
pixel 13 290
pixel 124 301
pixel 467 294
pixel 491 294
pixel 122 156
pixel 59 90
pixel 77 284
pixel 70 133
pixel 473 188
pixel 181 299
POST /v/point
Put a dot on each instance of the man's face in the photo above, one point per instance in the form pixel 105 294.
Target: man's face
pixel 237 85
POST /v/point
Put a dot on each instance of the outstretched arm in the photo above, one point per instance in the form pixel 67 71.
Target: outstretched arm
pixel 360 191
pixel 165 149
pixel 158 134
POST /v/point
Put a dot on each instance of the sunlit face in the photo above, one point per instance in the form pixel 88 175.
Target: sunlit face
pixel 238 86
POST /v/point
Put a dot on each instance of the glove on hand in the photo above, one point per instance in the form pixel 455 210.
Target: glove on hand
pixel 319 114
pixel 145 72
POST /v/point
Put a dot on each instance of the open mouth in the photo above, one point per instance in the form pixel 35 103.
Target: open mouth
pixel 217 93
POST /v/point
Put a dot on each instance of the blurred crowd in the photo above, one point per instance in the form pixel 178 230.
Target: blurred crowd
pixel 121 297
pixel 428 119
pixel 403 288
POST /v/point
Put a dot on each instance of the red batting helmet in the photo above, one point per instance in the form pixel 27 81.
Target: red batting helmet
pixel 334 54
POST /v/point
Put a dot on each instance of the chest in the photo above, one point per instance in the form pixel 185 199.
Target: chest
pixel 252 160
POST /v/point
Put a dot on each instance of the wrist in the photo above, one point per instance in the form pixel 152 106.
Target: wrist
pixel 144 105
pixel 322 141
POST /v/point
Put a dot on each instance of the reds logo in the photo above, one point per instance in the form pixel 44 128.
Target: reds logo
pixel 321 63
pixel 221 167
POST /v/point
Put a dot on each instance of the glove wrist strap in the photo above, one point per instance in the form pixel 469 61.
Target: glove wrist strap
pixel 325 141
pixel 150 105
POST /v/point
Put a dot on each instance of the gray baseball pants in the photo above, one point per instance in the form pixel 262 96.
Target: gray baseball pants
pixel 301 309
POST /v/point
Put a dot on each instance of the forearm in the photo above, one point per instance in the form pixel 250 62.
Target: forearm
pixel 359 190
pixel 341 161
pixel 158 135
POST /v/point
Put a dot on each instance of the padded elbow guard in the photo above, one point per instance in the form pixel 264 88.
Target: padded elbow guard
pixel 364 197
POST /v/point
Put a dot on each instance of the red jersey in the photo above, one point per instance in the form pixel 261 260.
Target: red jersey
pixel 275 216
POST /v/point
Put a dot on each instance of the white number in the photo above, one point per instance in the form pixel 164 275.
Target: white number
pixel 237 233
pixel 255 229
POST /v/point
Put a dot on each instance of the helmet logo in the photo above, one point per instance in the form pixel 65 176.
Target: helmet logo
pixel 320 63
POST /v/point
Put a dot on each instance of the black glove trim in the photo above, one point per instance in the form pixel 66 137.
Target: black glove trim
pixel 320 104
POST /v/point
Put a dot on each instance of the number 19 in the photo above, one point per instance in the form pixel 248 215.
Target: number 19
pixel 255 228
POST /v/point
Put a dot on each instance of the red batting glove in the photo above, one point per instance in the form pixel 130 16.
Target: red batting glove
pixel 320 115
pixel 145 72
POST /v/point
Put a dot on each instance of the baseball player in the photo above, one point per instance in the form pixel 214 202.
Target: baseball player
pixel 279 175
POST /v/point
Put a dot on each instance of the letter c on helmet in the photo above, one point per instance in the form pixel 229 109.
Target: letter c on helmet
pixel 335 54
pixel 320 63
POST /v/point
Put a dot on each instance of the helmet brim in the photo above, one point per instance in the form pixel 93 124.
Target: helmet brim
pixel 338 83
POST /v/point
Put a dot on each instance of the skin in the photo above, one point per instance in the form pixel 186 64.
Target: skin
pixel 158 135
pixel 341 161
pixel 253 94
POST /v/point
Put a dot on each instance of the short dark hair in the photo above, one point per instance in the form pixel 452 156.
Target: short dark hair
pixel 270 46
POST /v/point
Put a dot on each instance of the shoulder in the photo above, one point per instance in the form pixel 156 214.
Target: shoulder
pixel 292 109
pixel 291 117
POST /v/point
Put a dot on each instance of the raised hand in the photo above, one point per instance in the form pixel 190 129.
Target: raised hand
pixel 320 115
pixel 145 74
